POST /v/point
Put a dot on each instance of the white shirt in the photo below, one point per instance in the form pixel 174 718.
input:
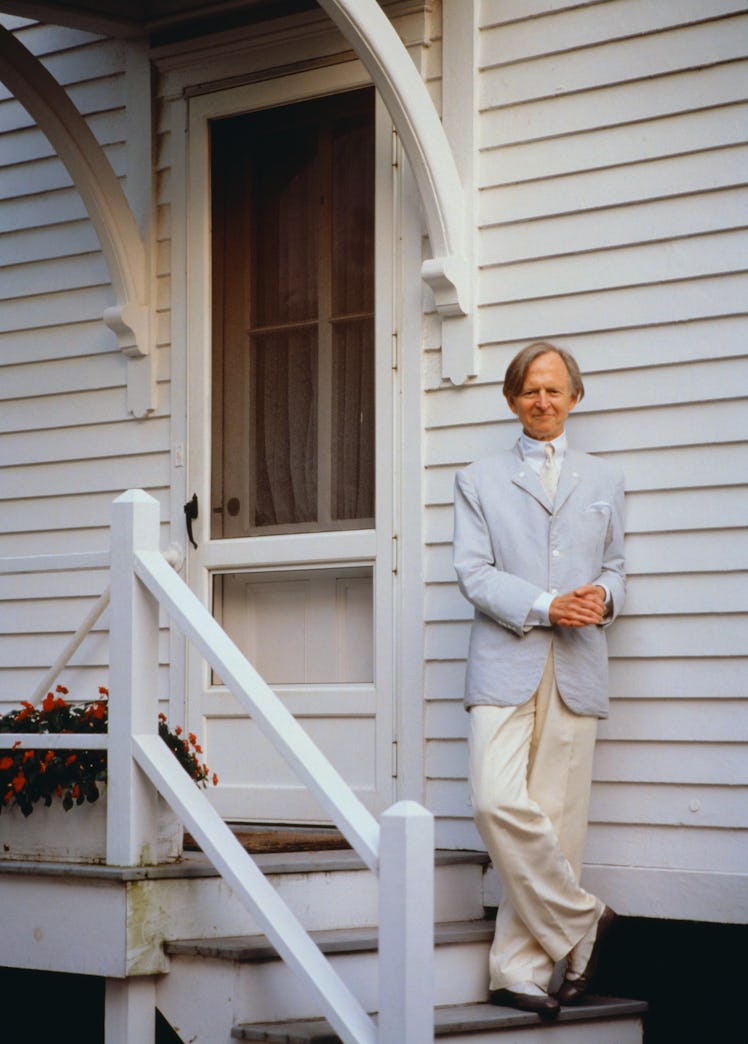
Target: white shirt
pixel 533 452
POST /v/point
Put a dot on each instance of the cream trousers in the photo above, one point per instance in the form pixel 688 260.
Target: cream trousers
pixel 530 780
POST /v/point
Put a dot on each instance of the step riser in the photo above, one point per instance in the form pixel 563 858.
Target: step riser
pixel 206 908
pixel 270 991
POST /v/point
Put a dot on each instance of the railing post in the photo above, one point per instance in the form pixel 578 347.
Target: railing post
pixel 406 925
pixel 133 682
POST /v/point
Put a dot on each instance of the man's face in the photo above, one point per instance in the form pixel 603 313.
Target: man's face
pixel 546 398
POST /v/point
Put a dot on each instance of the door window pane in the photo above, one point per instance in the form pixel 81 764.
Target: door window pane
pixel 293 323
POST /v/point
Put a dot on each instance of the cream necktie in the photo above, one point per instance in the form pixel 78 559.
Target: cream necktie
pixel 549 472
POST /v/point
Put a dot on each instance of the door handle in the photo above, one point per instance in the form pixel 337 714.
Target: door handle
pixel 190 513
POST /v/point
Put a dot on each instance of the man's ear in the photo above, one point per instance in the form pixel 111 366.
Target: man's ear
pixel 574 401
pixel 510 403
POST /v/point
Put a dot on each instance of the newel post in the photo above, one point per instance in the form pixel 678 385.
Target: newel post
pixel 133 682
pixel 406 925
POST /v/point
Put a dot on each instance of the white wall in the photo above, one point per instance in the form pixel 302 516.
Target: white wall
pixel 67 445
pixel 612 208
pixel 613 204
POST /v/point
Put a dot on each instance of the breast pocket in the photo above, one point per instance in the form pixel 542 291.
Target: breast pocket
pixel 593 525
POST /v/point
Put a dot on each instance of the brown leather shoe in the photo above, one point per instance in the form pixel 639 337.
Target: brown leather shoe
pixel 544 1005
pixel 572 990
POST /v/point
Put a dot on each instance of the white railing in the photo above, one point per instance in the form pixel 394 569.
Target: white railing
pixel 399 849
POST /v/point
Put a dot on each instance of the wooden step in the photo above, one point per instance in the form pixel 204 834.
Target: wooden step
pixel 595 1016
pixel 256 948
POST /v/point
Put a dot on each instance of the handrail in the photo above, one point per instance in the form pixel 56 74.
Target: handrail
pixel 251 887
pixel 399 851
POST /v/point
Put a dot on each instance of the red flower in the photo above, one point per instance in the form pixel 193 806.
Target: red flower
pixel 19 781
pixel 71 758
pixel 48 702
pixel 6 763
pixel 103 690
pixel 215 779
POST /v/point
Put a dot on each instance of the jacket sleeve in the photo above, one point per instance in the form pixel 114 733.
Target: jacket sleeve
pixel 613 575
pixel 503 596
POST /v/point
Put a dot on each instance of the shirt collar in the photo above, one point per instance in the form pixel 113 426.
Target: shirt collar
pixel 533 451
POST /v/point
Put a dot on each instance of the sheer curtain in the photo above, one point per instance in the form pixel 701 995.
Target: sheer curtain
pixel 294 188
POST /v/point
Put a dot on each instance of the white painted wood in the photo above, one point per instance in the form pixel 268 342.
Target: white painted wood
pixel 515 30
pixel 253 889
pixel 131 819
pixel 448 272
pixel 130 1010
pixel 121 243
pixel 620 104
pixel 588 190
pixel 70 648
pixel 372 548
pixel 587 228
pixel 619 61
pixel 663 892
pixel 600 148
pixel 53 563
pixel 685 847
pixel 406 946
pixel 48 912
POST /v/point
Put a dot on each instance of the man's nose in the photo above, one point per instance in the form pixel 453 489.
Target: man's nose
pixel 543 400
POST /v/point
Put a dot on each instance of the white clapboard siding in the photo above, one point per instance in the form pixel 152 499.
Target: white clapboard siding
pixel 67 444
pixel 612 206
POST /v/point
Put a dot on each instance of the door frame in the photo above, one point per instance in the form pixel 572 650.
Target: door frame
pixel 380 545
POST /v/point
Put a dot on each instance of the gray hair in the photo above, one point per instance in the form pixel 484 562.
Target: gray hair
pixel 514 378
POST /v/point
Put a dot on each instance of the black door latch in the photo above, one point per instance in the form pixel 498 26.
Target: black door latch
pixel 190 514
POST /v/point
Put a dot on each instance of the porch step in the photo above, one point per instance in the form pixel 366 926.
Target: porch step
pixel 256 948
pixel 599 1020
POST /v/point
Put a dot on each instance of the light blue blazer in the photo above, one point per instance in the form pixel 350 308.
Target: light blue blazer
pixel 510 544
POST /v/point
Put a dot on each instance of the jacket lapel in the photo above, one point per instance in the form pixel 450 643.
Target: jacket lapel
pixel 569 479
pixel 571 475
pixel 526 478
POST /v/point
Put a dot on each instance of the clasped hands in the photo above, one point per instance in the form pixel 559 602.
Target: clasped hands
pixel 578 608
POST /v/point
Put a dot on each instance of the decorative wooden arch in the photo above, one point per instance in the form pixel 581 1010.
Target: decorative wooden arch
pixel 364 24
pixel 121 243
pixel 449 272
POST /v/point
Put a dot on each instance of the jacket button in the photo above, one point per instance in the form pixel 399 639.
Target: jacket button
pixel 556 552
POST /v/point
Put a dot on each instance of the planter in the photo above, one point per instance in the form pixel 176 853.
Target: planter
pixel 52 835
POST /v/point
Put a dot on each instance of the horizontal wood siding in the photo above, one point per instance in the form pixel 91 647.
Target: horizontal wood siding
pixel 613 207
pixel 67 445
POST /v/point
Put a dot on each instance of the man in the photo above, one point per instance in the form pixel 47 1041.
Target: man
pixel 538 551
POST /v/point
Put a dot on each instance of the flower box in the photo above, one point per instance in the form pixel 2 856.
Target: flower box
pixel 52 835
pixel 63 791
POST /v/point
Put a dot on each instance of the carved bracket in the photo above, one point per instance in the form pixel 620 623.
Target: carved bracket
pixel 449 272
